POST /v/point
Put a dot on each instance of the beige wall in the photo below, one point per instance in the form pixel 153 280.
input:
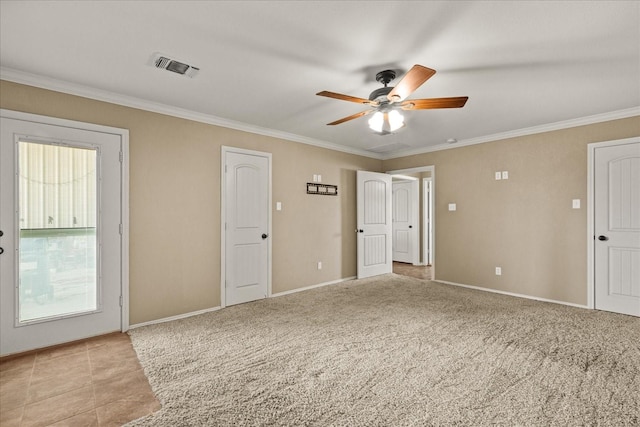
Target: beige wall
pixel 525 224
pixel 175 203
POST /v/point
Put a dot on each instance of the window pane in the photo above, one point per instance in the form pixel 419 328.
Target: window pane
pixel 58 220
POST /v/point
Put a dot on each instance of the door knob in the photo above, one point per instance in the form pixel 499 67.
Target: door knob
pixel 411 226
pixel 1 233
pixel 264 236
pixel 1 251
pixel 603 238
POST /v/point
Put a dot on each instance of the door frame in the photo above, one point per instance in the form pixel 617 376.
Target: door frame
pixel 432 169
pixel 223 218
pixel 427 214
pixel 591 182
pixel 123 134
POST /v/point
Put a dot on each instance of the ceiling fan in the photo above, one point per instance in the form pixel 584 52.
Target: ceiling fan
pixel 387 100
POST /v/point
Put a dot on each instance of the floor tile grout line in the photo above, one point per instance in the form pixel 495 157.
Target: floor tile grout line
pixel 71 416
pixel 27 394
pixel 93 385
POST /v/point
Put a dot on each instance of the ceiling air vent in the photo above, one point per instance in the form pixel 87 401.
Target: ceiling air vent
pixel 164 62
pixel 388 147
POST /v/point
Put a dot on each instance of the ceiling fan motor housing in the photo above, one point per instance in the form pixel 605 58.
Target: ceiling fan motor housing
pixel 380 95
pixel 383 77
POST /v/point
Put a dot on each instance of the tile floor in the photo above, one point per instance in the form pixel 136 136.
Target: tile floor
pixel 419 271
pixel 95 382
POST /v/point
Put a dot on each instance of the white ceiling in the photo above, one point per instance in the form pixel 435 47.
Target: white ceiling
pixel 524 64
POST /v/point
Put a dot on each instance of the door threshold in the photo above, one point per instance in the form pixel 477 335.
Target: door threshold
pixel 51 347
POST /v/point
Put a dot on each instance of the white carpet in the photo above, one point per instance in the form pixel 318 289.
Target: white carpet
pixel 394 351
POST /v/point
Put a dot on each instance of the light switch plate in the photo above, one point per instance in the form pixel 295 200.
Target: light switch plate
pixel 452 206
pixel 575 203
pixel 505 174
pixel 498 176
pixel 278 206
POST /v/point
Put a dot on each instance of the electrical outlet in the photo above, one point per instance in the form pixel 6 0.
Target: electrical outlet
pixel 319 265
pixel 452 207
pixel 498 271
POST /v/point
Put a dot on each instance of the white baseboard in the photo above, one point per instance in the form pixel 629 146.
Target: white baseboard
pixel 208 310
pixel 512 294
pixel 306 288
pixel 177 317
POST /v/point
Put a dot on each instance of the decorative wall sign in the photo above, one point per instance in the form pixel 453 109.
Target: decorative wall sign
pixel 322 189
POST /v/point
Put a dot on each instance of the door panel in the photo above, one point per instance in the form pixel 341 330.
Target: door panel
pixel 617 228
pixel 61 219
pixel 374 224
pixel 405 221
pixel 247 229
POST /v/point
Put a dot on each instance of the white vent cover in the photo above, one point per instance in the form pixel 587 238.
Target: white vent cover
pixel 165 62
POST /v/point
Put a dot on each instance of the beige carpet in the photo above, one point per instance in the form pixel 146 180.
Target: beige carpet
pixel 394 351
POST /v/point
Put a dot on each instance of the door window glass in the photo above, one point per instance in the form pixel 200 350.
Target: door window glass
pixel 58 215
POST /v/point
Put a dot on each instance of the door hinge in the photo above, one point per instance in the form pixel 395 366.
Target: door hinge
pixel 121 229
pixel 225 169
pixel 121 156
pixel 120 300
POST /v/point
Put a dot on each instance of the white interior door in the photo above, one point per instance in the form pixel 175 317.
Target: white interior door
pixel 61 220
pixel 617 228
pixel 405 221
pixel 374 224
pixel 247 216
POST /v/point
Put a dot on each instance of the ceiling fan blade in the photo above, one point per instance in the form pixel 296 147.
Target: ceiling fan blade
pixel 433 103
pixel 343 97
pixel 351 117
pixel 411 81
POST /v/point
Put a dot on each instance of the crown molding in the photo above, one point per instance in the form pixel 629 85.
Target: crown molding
pixel 43 82
pixel 36 80
pixel 565 124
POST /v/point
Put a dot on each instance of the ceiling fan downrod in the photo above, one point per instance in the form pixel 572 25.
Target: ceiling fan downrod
pixel 380 94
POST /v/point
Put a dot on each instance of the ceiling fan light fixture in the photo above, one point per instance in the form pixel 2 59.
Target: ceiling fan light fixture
pixel 376 122
pixel 396 120
pixel 387 122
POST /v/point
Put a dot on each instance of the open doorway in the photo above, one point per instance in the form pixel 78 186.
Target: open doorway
pixel 423 265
